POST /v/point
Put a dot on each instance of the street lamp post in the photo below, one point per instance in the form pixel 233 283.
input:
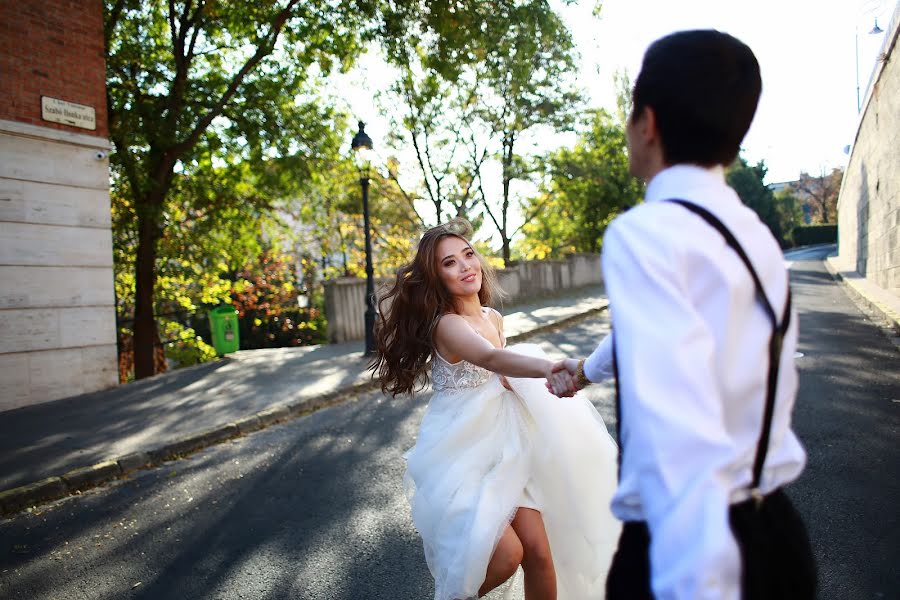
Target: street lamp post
pixel 362 146
pixel 875 31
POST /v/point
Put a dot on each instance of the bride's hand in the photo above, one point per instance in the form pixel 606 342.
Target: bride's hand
pixel 560 381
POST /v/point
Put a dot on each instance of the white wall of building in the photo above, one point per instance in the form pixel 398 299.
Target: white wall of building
pixel 57 313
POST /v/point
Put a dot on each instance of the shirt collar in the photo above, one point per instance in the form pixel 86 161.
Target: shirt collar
pixel 677 179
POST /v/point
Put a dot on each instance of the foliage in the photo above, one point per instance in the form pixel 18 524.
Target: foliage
pixel 747 181
pixel 184 347
pixel 468 112
pixel 821 193
pixel 435 123
pixel 589 184
pixel 198 259
pixel 526 85
pixel 790 215
pixel 330 220
pixel 265 297
pixel 194 85
pixel 815 234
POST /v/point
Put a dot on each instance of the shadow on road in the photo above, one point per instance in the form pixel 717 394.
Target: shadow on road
pixel 306 510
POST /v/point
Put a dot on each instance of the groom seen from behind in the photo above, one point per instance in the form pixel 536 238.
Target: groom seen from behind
pixel 702 348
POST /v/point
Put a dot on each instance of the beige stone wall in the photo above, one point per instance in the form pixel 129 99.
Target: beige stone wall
pixel 869 203
pixel 57 315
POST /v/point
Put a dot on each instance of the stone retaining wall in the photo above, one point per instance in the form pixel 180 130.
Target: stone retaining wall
pixel 345 297
pixel 869 202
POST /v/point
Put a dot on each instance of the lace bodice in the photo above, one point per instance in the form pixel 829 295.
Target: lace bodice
pixel 456 376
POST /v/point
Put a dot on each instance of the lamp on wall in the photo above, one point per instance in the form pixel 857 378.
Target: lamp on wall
pixel 875 31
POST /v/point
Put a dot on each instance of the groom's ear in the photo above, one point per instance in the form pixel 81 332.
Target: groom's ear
pixel 646 129
pixel 646 126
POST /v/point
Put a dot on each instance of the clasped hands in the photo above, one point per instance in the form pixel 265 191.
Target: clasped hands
pixel 563 378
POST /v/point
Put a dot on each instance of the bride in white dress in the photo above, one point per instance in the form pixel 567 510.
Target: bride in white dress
pixel 503 474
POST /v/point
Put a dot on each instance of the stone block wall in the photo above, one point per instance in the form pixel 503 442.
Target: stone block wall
pixel 869 202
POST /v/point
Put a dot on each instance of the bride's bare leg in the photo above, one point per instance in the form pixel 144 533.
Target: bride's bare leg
pixel 537 562
pixel 506 559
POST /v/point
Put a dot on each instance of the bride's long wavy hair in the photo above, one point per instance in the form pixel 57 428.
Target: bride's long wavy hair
pixel 409 312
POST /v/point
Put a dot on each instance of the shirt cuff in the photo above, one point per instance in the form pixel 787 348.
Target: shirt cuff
pixel 599 365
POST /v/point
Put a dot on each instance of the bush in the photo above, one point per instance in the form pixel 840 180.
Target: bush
pixel 184 347
pixel 806 235
pixel 286 328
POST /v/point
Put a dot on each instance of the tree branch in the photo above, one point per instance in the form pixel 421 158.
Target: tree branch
pixel 264 48
pixel 112 21
pixel 409 199
pixel 534 212
pixel 487 208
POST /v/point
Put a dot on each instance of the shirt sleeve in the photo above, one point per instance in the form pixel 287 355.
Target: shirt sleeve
pixel 598 366
pixel 676 449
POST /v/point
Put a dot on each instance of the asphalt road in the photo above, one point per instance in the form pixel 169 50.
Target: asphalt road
pixel 314 509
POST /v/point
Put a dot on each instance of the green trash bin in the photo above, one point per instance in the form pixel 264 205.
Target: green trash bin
pixel 223 323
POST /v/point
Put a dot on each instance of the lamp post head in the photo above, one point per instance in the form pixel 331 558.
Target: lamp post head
pixel 361 141
pixel 875 30
pixel 362 151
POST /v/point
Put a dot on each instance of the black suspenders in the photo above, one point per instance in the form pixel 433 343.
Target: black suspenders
pixel 776 341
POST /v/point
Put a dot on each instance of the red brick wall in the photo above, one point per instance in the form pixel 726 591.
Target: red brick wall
pixel 52 48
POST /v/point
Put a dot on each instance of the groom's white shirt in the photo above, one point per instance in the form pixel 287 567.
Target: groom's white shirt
pixel 692 346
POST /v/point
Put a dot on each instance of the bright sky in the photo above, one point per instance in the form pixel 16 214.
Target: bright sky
pixel 807 112
pixel 806 50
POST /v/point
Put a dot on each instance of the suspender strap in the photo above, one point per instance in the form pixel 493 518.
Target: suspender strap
pixel 615 365
pixel 776 341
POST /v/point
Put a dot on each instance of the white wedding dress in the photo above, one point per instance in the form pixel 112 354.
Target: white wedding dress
pixel 483 451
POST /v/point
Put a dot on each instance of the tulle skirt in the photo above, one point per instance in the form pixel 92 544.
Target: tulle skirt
pixel 483 452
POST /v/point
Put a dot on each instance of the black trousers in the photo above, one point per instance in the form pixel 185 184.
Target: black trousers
pixel 777 558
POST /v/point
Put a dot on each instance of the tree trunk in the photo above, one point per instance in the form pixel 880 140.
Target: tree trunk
pixel 146 336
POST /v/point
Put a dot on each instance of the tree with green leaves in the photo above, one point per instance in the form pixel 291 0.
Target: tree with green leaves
pixel 790 215
pixel 216 227
pixel 192 84
pixel 588 185
pixel 527 84
pixel 464 113
pixel 329 218
pixel 435 123
pixel 747 181
pixel 197 85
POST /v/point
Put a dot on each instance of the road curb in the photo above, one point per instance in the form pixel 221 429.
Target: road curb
pixel 17 499
pixel 85 477
pixel 861 298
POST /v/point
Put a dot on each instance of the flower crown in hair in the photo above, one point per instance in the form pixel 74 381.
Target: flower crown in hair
pixel 458 226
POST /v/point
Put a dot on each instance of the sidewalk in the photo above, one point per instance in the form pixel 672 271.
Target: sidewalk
pixel 56 448
pixel 882 305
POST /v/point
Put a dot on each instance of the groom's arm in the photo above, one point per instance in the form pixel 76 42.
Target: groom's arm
pixel 599 365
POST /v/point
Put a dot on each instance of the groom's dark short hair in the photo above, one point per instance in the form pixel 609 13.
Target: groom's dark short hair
pixel 703 87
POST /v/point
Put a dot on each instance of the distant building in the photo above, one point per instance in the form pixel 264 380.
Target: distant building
pixel 780 186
